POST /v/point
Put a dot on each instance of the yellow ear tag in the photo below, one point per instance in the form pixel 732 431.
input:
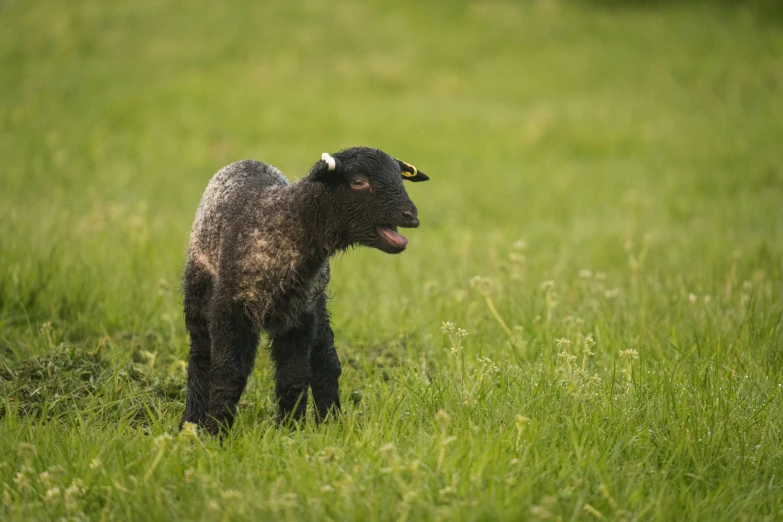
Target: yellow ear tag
pixel 408 174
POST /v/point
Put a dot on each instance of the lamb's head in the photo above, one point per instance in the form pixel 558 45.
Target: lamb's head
pixel 365 186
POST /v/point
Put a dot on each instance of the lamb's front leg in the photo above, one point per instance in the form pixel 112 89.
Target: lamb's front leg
pixel 291 355
pixel 325 366
pixel 234 345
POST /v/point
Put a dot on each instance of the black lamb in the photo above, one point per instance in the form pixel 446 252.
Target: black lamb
pixel 259 261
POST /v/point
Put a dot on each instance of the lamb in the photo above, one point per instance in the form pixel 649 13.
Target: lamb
pixel 258 262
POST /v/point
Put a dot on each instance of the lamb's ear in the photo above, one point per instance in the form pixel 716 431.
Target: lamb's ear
pixel 411 173
pixel 325 168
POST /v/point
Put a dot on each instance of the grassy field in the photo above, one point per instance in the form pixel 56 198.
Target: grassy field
pixel 604 220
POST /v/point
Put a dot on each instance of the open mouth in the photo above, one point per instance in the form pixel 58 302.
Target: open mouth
pixel 391 239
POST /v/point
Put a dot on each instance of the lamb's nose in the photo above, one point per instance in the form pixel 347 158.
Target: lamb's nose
pixel 410 219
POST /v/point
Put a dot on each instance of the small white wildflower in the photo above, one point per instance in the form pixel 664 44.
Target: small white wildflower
pixel 189 431
pixel 489 364
pixel 581 375
pixel 77 486
pixel 692 297
pixel 47 479
pixel 327 489
pixel 566 357
pixel 96 463
pixel 231 494
pixel 546 285
pixel 388 449
pixel 562 344
pixel 56 470
pixel 26 450
pixel 161 441
pixel 540 513
pixel 443 419
pixel 589 343
pixel 629 354
pixel 447 327
pixel 461 333
pixel 482 284
pixel 52 494
pixel 330 454
pixel 72 494
pixel 446 492
pixel 22 480
pixel 516 257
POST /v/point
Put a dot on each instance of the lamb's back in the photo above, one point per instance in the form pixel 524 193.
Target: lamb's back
pixel 230 193
pixel 245 236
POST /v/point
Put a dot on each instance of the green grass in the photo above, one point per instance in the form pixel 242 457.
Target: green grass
pixel 635 149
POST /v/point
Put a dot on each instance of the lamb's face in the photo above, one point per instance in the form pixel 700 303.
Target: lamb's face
pixel 373 201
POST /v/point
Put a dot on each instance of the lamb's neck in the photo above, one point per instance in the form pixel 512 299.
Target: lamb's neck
pixel 317 220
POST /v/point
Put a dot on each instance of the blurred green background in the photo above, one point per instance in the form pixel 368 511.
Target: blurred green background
pixel 642 141
pixel 535 119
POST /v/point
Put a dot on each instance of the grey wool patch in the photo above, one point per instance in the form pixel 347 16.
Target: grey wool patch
pixel 246 229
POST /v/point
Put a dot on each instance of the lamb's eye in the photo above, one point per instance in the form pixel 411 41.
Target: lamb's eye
pixel 359 183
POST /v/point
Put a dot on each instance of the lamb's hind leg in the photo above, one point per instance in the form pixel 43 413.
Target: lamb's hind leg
pixel 234 345
pixel 325 365
pixel 197 286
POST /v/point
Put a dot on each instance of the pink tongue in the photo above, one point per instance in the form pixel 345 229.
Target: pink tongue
pixel 393 237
